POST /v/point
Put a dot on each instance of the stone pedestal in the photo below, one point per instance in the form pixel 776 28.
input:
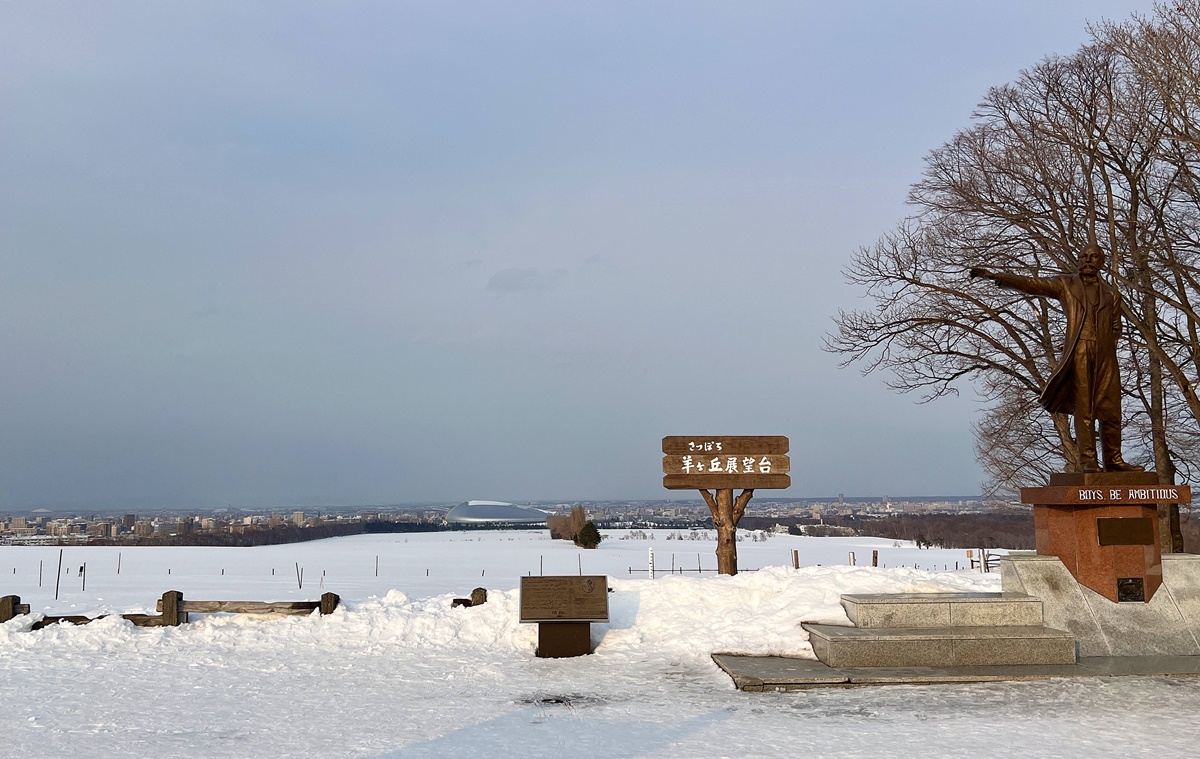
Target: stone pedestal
pixel 1103 526
pixel 1168 625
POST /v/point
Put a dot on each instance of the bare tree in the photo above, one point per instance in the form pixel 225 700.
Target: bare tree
pixel 1081 148
pixel 566 526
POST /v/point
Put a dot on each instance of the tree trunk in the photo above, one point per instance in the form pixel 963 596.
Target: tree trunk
pixel 1170 537
pixel 726 514
pixel 722 516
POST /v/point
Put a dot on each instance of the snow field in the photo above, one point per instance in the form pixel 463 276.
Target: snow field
pixel 418 564
pixel 396 672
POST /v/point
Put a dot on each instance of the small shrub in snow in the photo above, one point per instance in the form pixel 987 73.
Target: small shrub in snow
pixel 588 537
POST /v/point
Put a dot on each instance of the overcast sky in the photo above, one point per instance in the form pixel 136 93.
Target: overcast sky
pixel 278 253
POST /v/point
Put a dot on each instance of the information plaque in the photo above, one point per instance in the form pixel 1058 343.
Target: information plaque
pixel 564 598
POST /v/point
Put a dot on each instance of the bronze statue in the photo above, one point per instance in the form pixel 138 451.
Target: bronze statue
pixel 1086 383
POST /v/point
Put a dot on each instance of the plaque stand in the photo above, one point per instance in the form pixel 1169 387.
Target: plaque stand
pixel 564 608
pixel 1104 528
pixel 559 640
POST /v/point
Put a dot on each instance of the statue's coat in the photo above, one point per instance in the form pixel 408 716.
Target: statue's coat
pixel 1059 394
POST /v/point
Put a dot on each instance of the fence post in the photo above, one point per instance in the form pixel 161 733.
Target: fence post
pixel 874 558
pixel 8 607
pixel 173 614
pixel 329 602
pixel 795 558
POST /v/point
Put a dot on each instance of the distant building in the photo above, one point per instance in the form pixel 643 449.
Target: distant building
pixel 494 512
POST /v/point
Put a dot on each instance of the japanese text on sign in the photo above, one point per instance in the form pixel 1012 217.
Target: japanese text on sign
pixel 728 465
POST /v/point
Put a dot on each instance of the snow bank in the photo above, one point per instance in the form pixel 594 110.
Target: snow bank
pixel 674 616
pixel 751 613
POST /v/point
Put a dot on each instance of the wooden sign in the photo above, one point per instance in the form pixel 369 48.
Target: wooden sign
pixel 564 598
pixel 1081 495
pixel 748 462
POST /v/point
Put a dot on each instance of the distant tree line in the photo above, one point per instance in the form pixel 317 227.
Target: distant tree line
pixel 997 529
pixel 381 526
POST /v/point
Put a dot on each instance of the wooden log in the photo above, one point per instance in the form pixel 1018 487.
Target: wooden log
pixel 8 607
pixel 329 602
pixel 144 620
pixel 250 607
pixel 173 613
pixel 74 619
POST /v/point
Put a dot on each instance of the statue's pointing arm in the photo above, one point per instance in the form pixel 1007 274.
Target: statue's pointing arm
pixel 1049 287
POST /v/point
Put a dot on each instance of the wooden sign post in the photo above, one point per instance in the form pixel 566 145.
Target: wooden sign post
pixel 723 464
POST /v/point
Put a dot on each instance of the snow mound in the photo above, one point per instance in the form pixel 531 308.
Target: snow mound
pixel 675 616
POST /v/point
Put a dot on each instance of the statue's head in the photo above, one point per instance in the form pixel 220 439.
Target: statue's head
pixel 1091 260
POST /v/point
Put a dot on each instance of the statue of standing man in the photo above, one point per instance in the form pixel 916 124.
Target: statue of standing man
pixel 1086 383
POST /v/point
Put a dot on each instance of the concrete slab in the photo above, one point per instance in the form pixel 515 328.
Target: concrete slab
pixel 1142 629
pixel 941 609
pixel 907 598
pixel 1168 625
pixel 841 647
pixel 769 672
pixel 763 673
pixel 997 613
pixel 1063 604
pixel 975 674
pixel 1140 666
pixel 1181 579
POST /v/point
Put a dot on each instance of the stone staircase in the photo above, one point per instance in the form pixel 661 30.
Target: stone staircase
pixel 941 630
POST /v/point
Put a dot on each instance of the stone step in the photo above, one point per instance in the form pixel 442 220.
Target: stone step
pixel 841 647
pixel 880 610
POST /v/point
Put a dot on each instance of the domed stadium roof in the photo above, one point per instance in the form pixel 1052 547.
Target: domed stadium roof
pixel 478 512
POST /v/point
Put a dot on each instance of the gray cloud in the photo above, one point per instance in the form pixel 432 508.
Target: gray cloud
pixel 523 279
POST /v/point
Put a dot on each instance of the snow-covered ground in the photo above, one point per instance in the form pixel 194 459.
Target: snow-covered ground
pixel 418 564
pixel 396 672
